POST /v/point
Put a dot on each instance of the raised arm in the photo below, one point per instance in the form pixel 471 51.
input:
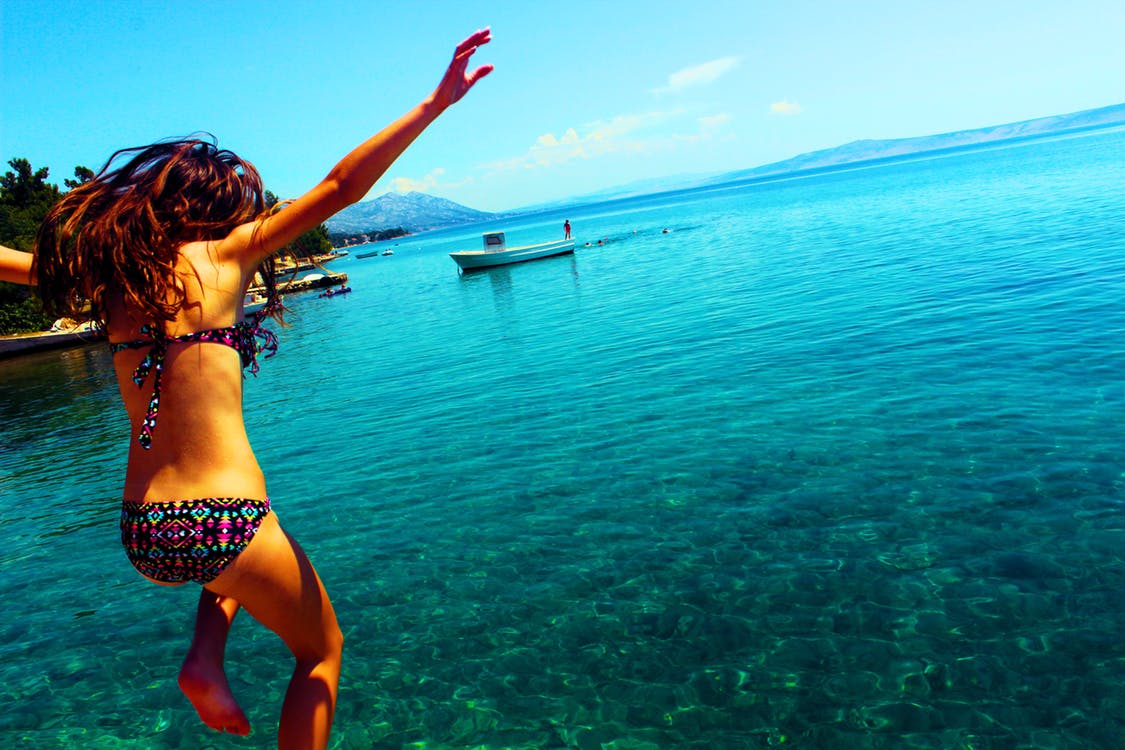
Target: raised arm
pixel 350 180
pixel 15 266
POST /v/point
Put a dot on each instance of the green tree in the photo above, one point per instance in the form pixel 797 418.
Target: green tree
pixel 313 242
pixel 81 174
pixel 25 198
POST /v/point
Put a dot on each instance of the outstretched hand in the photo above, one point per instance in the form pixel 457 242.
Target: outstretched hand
pixel 456 82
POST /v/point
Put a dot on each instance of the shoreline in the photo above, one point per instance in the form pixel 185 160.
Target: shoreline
pixel 26 343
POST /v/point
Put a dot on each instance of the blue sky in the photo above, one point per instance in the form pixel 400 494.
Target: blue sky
pixel 586 95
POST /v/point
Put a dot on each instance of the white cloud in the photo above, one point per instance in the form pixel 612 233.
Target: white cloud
pixel 623 133
pixel 426 184
pixel 708 127
pixel 785 107
pixel 629 135
pixel 711 123
pixel 697 75
pixel 409 184
pixel 632 134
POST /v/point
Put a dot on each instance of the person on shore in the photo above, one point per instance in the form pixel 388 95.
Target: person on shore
pixel 566 229
pixel 160 248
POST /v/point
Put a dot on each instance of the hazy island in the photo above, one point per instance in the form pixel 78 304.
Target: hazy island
pixel 417 212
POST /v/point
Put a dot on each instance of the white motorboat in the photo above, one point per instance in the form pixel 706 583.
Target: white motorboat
pixel 497 253
pixel 253 302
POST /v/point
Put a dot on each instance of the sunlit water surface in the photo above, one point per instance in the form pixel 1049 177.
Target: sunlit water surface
pixel 834 463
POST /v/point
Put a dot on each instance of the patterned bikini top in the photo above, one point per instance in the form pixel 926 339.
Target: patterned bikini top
pixel 247 337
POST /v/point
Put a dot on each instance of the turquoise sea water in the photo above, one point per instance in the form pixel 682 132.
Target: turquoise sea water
pixel 835 463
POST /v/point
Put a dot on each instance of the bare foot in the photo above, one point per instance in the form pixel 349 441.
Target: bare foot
pixel 206 687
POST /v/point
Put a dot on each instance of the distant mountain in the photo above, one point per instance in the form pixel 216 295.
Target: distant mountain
pixel 414 212
pixel 417 212
pixel 858 152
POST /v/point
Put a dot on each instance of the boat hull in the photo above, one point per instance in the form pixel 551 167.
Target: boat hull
pixel 473 259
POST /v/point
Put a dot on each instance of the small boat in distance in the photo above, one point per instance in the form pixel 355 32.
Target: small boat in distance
pixel 253 302
pixel 497 253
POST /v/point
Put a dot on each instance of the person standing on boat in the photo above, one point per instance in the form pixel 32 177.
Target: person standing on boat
pixel 566 229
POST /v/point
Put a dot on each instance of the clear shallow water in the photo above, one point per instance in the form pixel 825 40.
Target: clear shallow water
pixel 836 463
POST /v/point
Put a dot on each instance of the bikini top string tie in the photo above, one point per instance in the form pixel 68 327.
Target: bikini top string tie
pixel 249 338
pixel 153 363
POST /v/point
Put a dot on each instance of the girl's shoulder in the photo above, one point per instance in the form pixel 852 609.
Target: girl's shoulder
pixel 242 247
pixel 209 277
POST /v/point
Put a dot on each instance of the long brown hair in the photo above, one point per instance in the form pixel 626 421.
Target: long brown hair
pixel 119 233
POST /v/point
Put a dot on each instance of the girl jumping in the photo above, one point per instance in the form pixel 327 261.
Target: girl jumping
pixel 161 247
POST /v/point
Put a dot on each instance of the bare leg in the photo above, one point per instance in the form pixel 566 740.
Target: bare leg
pixel 202 677
pixel 274 581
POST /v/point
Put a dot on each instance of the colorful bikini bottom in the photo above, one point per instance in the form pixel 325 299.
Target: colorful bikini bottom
pixel 189 540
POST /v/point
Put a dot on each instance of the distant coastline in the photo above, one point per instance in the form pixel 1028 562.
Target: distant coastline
pixel 418 212
pixel 870 153
pixel 845 166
